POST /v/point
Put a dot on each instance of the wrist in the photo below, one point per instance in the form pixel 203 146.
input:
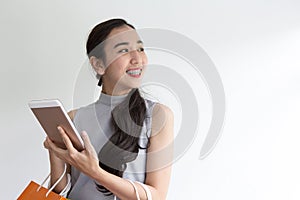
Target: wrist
pixel 54 159
pixel 98 174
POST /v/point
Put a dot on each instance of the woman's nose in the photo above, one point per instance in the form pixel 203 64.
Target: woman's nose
pixel 136 58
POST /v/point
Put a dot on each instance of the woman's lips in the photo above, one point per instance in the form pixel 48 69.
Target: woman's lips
pixel 134 72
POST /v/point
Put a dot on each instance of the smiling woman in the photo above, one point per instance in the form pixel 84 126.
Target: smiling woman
pixel 126 55
pixel 121 130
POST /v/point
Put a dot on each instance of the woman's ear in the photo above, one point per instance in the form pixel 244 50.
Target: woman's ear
pixel 97 65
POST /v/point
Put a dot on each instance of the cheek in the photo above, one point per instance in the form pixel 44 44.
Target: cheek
pixel 117 67
pixel 121 63
pixel 114 59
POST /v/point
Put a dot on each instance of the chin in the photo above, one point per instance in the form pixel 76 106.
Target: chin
pixel 126 87
pixel 128 83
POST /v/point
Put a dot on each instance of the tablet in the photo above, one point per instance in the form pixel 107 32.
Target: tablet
pixel 50 114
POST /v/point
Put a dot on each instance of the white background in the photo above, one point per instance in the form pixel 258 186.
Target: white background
pixel 254 44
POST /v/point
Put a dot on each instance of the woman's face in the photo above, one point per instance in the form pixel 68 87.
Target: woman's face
pixel 125 61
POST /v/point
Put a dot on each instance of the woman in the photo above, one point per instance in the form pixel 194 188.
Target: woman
pixel 128 139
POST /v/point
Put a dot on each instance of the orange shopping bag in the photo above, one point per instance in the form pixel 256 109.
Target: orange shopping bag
pixel 35 191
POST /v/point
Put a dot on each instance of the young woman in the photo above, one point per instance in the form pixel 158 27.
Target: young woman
pixel 128 139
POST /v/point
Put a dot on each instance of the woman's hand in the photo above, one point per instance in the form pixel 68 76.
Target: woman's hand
pixel 53 158
pixel 85 161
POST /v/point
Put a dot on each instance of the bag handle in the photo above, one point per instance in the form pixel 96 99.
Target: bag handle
pixel 53 186
pixel 144 186
pixel 135 190
pixel 147 190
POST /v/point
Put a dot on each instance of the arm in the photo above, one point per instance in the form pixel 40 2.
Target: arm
pixel 57 165
pixel 160 152
pixel 159 160
pixel 159 157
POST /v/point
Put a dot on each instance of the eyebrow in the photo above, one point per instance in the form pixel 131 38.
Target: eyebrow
pixel 140 42
pixel 127 43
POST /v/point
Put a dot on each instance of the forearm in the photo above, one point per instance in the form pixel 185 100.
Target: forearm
pixel 121 187
pixel 57 167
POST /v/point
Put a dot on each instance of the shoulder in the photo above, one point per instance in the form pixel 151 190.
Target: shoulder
pixel 162 111
pixel 162 119
pixel 158 108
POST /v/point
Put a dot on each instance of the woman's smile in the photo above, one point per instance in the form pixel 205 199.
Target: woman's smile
pixel 134 72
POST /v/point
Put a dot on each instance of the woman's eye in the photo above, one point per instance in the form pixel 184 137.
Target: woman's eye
pixel 141 49
pixel 123 51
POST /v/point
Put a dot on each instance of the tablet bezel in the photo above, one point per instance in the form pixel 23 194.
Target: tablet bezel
pixel 56 137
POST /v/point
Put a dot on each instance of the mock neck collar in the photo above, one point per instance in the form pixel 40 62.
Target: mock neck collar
pixel 111 100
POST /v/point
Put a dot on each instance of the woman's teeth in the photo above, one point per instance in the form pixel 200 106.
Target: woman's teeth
pixel 134 72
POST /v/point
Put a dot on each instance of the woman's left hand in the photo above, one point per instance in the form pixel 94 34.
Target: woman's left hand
pixel 86 161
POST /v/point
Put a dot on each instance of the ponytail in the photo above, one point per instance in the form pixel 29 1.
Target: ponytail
pixel 123 146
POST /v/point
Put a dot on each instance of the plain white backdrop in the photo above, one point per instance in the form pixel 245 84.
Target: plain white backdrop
pixel 254 44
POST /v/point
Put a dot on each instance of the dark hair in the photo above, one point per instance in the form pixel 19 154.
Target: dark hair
pixel 127 117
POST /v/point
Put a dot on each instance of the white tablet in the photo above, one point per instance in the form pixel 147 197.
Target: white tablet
pixel 50 113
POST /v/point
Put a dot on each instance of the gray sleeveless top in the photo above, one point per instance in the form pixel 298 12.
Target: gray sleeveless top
pixel 95 119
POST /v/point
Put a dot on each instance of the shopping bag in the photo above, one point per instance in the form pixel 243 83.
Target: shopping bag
pixel 35 191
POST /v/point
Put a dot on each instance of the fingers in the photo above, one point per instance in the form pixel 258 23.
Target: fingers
pixel 66 139
pixel 88 145
pixel 86 140
pixel 71 154
pixel 46 145
pixel 54 149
